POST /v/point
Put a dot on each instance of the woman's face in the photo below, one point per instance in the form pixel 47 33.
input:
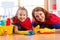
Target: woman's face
pixel 40 16
pixel 22 15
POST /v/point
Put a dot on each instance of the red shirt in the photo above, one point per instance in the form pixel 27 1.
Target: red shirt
pixel 26 24
pixel 53 19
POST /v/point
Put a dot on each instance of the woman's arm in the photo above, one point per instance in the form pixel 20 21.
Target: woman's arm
pixel 34 24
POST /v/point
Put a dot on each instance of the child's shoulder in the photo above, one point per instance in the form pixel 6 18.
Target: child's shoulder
pixel 28 18
pixel 15 20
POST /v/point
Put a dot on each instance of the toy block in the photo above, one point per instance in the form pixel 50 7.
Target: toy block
pixel 36 29
pixel 2 23
pixel 47 31
pixel 23 32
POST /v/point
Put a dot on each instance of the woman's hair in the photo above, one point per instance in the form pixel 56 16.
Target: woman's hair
pixel 46 13
pixel 21 8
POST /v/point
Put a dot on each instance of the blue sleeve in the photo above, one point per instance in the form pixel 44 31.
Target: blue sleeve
pixel 20 27
pixel 56 26
pixel 34 24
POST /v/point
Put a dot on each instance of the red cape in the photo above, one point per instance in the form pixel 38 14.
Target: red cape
pixel 53 19
pixel 26 24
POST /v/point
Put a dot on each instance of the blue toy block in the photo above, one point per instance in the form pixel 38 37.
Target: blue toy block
pixel 31 32
pixel 2 23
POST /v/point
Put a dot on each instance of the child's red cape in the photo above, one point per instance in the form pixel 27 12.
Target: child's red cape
pixel 26 24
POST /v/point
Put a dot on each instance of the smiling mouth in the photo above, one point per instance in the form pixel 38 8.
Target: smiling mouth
pixel 41 19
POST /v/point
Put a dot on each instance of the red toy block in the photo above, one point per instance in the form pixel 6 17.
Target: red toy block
pixel 8 22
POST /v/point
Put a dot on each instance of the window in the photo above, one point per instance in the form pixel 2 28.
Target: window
pixel 31 4
pixel 8 7
pixel 12 6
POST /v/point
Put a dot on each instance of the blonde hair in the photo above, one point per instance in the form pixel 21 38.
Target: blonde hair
pixel 21 8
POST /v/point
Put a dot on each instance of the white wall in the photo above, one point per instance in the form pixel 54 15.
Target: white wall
pixel 31 4
pixel 28 4
pixel 14 9
pixel 50 4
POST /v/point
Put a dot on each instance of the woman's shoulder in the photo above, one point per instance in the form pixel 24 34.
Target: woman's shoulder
pixel 54 16
pixel 53 19
pixel 51 14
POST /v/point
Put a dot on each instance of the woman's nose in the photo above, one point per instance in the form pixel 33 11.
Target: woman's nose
pixel 40 17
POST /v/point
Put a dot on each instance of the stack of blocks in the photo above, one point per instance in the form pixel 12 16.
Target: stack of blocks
pixel 5 27
pixel 4 22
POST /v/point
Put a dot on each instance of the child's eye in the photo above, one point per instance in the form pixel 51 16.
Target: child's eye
pixel 37 16
pixel 24 15
pixel 20 14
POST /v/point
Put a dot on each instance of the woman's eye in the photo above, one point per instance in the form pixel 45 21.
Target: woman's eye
pixel 40 14
pixel 20 15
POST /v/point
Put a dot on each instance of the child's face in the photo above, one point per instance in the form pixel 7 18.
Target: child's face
pixel 39 15
pixel 22 15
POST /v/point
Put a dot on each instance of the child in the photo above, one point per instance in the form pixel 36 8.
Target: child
pixel 21 20
pixel 45 19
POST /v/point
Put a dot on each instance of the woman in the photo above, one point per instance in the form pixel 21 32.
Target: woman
pixel 45 19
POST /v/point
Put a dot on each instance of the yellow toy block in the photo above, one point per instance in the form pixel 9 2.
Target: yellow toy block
pixel 1 31
pixel 52 30
pixel 47 30
pixel 36 29
pixel 7 29
pixel 42 30
pixel 23 32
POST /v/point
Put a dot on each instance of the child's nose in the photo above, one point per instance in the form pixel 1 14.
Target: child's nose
pixel 22 16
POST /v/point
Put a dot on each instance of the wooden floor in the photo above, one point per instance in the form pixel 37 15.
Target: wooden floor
pixel 32 37
pixel 55 36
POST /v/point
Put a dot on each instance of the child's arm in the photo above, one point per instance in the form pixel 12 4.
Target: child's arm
pixel 15 29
